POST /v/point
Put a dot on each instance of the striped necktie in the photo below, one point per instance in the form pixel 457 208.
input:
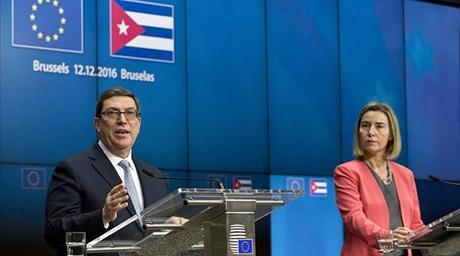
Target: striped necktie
pixel 130 185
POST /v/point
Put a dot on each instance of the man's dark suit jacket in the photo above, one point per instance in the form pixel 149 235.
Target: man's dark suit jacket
pixel 77 194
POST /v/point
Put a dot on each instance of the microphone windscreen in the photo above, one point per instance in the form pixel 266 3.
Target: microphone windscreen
pixel 434 178
pixel 149 173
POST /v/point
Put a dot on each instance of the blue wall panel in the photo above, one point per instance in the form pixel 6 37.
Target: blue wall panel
pixel 180 182
pixel 372 62
pixel 32 103
pixel 310 225
pixel 227 85
pixel 22 209
pixel 162 140
pixel 433 103
pixel 304 114
pixel 436 199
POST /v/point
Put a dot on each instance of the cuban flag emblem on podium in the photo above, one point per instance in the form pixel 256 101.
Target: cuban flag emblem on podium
pixel 142 30
pixel 318 187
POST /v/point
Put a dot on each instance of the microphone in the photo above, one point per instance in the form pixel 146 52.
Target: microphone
pixel 437 179
pixel 151 174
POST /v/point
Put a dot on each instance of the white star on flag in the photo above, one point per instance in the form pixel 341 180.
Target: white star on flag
pixel 123 28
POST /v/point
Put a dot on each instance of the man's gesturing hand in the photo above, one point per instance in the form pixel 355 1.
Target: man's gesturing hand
pixel 115 201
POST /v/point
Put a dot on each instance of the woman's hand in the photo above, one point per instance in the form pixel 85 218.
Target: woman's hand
pixel 400 233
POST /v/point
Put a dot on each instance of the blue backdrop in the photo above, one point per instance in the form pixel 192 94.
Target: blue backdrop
pixel 259 89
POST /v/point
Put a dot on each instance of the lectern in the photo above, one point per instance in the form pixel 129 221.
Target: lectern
pixel 216 222
pixel 440 238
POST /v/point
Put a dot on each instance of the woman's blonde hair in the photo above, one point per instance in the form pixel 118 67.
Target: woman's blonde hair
pixel 394 142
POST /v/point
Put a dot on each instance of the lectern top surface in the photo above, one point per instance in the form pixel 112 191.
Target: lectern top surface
pixel 436 231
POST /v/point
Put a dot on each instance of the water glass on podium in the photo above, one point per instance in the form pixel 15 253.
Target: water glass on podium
pixel 386 244
pixel 75 243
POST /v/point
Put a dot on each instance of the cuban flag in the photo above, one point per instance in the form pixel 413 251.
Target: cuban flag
pixel 318 187
pixel 48 24
pixel 142 30
pixel 242 182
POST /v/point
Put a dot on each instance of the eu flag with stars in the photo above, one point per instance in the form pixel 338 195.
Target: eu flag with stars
pixel 55 25
pixel 245 247
pixel 33 178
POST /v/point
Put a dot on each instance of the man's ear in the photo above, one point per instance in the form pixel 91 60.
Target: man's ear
pixel 97 125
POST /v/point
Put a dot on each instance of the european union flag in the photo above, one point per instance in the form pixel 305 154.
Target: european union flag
pixel 295 183
pixel 55 25
pixel 33 178
pixel 245 246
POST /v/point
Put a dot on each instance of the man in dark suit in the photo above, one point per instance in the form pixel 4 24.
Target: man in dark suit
pixel 103 186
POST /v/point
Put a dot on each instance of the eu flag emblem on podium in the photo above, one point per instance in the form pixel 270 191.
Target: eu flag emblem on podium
pixel 55 25
pixel 245 247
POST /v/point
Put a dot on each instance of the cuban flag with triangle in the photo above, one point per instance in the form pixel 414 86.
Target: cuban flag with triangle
pixel 318 187
pixel 142 30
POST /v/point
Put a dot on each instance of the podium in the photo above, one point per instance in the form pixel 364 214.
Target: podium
pixel 214 222
pixel 440 238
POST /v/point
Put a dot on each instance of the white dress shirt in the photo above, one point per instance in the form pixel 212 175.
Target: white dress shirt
pixel 115 160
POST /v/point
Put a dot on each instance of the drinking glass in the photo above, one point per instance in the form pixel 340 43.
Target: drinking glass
pixel 386 244
pixel 75 243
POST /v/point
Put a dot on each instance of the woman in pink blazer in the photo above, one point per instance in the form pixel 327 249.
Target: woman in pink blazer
pixel 377 197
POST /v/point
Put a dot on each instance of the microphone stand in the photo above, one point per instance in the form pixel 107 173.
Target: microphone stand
pixel 151 174
pixel 437 179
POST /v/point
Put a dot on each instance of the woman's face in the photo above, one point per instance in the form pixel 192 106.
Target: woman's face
pixel 374 133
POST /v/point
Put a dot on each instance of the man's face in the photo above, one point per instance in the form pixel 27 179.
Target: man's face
pixel 116 131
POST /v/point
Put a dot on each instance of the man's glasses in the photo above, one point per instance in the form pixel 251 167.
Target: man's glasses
pixel 113 114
